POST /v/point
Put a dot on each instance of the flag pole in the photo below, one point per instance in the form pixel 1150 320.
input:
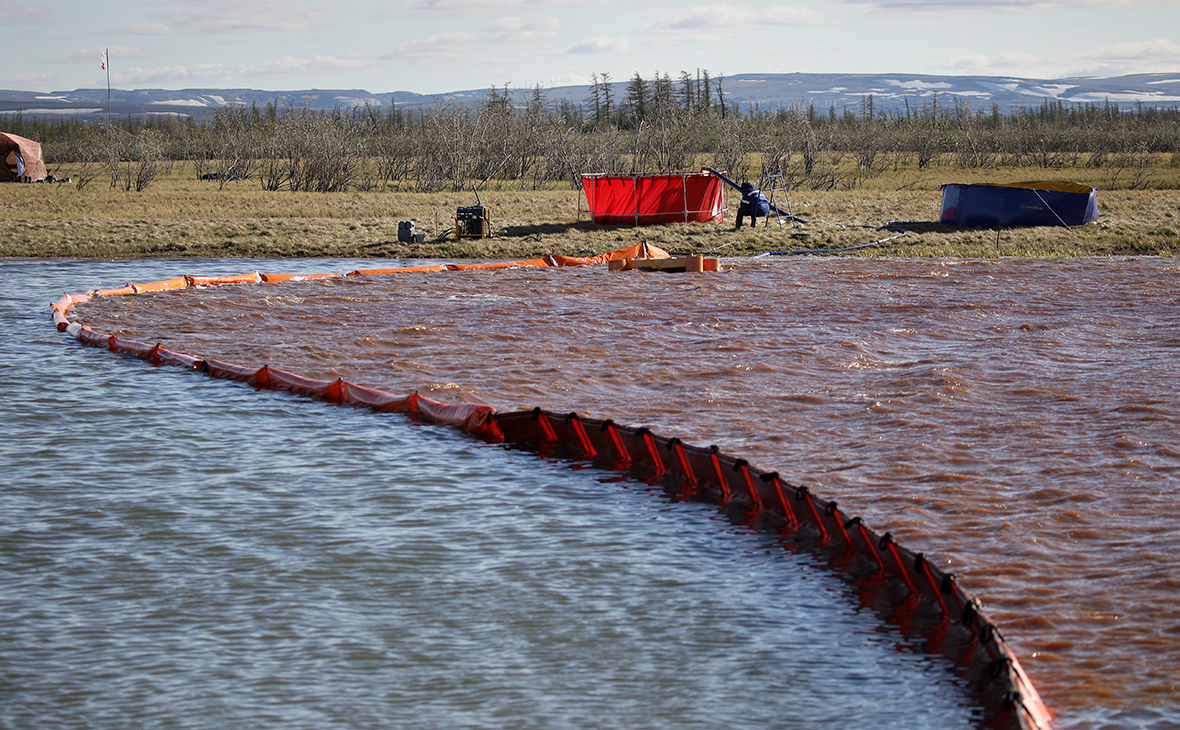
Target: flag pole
pixel 106 58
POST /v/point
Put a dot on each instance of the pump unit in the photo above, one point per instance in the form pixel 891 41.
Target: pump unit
pixel 473 222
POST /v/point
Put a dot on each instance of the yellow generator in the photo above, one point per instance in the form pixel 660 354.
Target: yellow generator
pixel 473 222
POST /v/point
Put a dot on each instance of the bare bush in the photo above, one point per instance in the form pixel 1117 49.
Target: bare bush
pixel 133 159
pixel 669 138
pixel 522 139
pixel 232 144
pixel 393 152
pixel 310 151
pixel 737 141
pixel 446 140
pixel 83 158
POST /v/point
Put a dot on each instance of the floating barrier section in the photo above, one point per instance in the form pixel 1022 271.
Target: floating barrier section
pixel 750 495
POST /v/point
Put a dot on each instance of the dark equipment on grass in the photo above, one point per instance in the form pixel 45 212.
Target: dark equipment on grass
pixel 407 234
pixel 473 221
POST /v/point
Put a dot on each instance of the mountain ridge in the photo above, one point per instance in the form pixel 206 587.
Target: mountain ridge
pixel 890 92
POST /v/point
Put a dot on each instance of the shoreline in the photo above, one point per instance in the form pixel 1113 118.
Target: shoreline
pixel 185 218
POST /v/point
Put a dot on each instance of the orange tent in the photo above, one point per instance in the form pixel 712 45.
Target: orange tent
pixel 20 159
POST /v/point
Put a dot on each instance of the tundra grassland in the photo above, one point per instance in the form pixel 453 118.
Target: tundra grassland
pixel 181 215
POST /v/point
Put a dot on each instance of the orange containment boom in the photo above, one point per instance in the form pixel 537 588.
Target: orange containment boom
pixel 640 251
pixel 749 495
pixel 690 264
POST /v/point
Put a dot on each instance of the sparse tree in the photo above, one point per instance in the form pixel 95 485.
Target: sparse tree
pixel 638 99
pixel 687 91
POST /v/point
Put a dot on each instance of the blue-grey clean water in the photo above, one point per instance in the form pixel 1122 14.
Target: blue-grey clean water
pixel 181 552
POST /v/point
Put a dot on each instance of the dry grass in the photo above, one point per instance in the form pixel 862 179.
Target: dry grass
pixel 182 216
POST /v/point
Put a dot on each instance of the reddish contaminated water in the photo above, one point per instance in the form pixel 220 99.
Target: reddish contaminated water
pixel 1015 419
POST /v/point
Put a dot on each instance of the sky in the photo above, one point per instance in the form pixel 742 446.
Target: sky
pixel 435 46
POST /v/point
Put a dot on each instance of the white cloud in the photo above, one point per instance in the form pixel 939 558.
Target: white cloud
pixel 235 16
pixel 508 30
pixel 1160 51
pixel 32 82
pixel 91 55
pixel 475 7
pixel 1152 56
pixel 291 65
pixel 149 29
pixel 206 74
pixel 704 22
pixel 15 14
pixel 211 74
pixel 433 48
pixel 1004 6
pixel 602 44
pixel 511 29
pixel 978 63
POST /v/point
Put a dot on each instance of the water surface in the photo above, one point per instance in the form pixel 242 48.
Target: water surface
pixel 182 552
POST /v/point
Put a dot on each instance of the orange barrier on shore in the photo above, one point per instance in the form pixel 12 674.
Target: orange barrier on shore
pixel 750 496
pixel 641 250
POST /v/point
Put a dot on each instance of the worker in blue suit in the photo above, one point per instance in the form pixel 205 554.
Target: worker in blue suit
pixel 754 204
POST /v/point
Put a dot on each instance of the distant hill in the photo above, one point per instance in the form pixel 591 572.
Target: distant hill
pixel 889 92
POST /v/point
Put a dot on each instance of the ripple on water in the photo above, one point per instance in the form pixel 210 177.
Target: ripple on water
pixel 1015 418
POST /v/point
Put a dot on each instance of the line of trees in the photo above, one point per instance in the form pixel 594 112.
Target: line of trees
pixel 650 125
